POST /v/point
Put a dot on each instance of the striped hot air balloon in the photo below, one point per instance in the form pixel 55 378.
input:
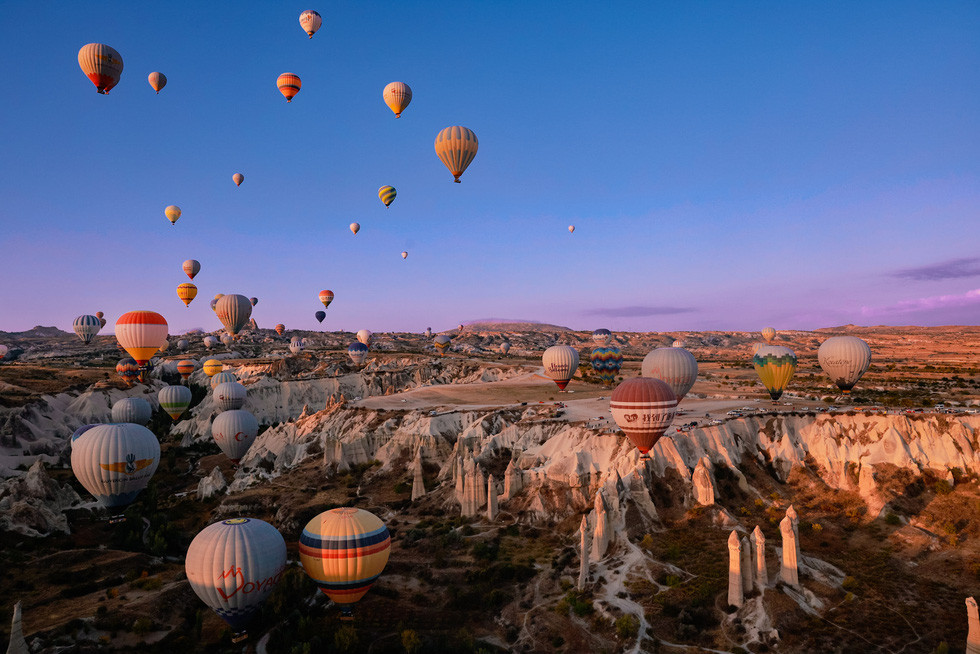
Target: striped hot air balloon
pixel 172 213
pixel 601 337
pixel 115 462
pixel 132 409
pixel 128 369
pixel 643 407
pixel 673 365
pixel 775 366
pixel 442 342
pixel 357 352
pixel 185 368
pixel 397 96
pixel 222 377
pixel 387 194
pixel 289 85
pixel 212 367
pixel 606 361
pixel 326 297
pixel 456 147
pixel 844 359
pixel 280 328
pixel 86 327
pixel 560 363
pixel 234 565
pixel 768 334
pixel 186 292
pixel 344 551
pixel 101 64
pixel 310 21
pixel 157 81
pixel 174 400
pixel 238 178
pixel 234 431
pixel 191 267
pixel 141 334
pixel 233 311
pixel 229 395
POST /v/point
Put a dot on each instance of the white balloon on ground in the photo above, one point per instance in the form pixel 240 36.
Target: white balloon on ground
pixel 234 431
pixel 132 409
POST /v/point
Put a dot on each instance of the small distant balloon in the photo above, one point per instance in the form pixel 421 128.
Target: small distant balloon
pixel 571 229
pixel 186 292
pixel 442 342
pixel 326 297
pixel 404 255
pixel 185 368
pixel 601 337
pixel 86 327
pixel 768 334
pixel 456 147
pixel 173 213
pixel 280 328
pixel 253 300
pixel 102 65
pixel 320 315
pixel 364 336
pixel 355 227
pixel 289 85
pixel 212 367
pixel 357 352
pixel 191 267
pixel 157 81
pixel 387 194
pixel 238 178
pixel 310 21
pixel 397 96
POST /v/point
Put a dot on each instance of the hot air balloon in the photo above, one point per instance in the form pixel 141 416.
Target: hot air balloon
pixel 428 332
pixel 234 565
pixel 86 327
pixel 845 359
pixel 212 367
pixel 364 336
pixel 234 431
pixel 295 347
pixel 326 297
pixel 115 462
pixel 81 430
pixel 571 229
pixel 210 341
pixel 182 345
pixel 677 343
pixel 607 361
pixel 601 337
pixel 157 81
pixel 355 228
pixel 253 300
pixel 560 363
pixel 310 21
pixel 191 267
pixel 221 378
pixel 442 342
pixel 456 147
pixel 227 340
pixel 101 64
pixel 280 328
pixel 99 315
pixel 504 348
pixel 174 400
pixel 132 409
pixel 233 311
pixel 643 407
pixel 768 334
pixel 775 366
pixel 229 395
pixel 387 194
pixel 238 178
pixel 173 213
pixel 141 333
pixel 357 352
pixel 404 255
pixel 397 96
pixel 128 369
pixel 289 85
pixel 320 315
pixel 673 365
pixel 186 292
pixel 164 347
pixel 3 351
pixel 214 303
pixel 185 368
pixel 344 550
pixel 459 328
pixel 218 296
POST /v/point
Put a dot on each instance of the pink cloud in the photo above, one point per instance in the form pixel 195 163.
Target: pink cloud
pixel 934 303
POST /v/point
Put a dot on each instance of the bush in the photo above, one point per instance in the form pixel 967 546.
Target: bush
pixel 849 583
pixel 411 642
pixel 627 626
pixel 892 519
pixel 943 487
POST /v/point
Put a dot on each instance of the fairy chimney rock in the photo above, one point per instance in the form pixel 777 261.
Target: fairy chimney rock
pixel 735 594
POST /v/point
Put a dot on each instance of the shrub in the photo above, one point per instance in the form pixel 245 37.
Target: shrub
pixel 942 487
pixel 627 626
pixel 411 642
pixel 892 519
pixel 849 583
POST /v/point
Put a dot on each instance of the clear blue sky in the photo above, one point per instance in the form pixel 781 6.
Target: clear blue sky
pixel 726 165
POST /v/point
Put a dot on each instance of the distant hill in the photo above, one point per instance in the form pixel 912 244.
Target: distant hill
pixel 506 325
pixel 37 331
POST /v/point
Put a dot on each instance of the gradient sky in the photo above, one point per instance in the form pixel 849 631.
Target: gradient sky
pixel 727 165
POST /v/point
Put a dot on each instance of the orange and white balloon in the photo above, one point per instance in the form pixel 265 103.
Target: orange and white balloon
pixel 289 85
pixel 456 147
pixel 101 64
pixel 141 334
pixel 157 81
pixel 397 96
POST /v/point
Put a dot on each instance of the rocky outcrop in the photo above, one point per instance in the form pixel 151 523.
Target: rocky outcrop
pixel 973 619
pixel 211 485
pixel 789 569
pixel 17 643
pixel 34 505
pixel 735 590
pixel 585 541
pixel 759 559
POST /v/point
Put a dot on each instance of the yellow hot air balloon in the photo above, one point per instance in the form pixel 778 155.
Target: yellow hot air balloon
pixel 456 147
pixel 768 334
pixel 397 96
pixel 173 213
pixel 157 81
pixel 387 194
pixel 187 292
pixel 101 64
pixel 289 85
pixel 212 367
pixel 775 366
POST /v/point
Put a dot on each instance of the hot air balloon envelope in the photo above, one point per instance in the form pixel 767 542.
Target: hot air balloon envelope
pixel 101 64
pixel 844 359
pixel 115 462
pixel 643 407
